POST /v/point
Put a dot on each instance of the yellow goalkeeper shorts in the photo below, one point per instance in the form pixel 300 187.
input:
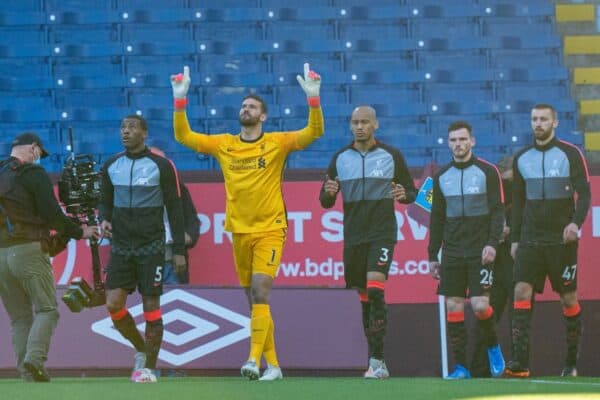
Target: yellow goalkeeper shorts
pixel 257 253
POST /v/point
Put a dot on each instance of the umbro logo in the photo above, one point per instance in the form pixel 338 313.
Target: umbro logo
pixel 197 316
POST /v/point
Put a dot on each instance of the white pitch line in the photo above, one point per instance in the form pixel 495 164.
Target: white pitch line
pixel 550 382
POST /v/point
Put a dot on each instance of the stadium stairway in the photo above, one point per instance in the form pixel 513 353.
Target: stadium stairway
pixel 579 24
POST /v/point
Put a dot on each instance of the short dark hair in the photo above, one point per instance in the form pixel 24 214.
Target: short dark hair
pixel 142 120
pixel 256 97
pixel 544 106
pixel 456 125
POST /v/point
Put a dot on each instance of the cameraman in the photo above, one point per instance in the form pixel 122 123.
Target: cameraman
pixel 137 187
pixel 28 211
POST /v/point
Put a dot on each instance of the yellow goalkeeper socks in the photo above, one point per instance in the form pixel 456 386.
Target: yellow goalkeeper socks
pixel 259 330
pixel 269 352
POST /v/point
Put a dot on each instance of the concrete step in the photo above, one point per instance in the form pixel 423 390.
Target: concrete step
pixel 576 28
pixel 588 123
pixel 585 92
pixel 582 60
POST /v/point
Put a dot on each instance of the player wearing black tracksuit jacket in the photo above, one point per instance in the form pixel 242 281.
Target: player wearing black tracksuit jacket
pixel 546 218
pixel 372 176
pixel 467 219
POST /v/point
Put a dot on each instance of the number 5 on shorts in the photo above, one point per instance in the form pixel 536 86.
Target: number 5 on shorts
pixel 158 274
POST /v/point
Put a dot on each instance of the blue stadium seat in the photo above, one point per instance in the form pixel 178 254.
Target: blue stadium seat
pixel 389 77
pixel 460 75
pixel 89 81
pixel 377 12
pixel 456 9
pixel 21 5
pixel 26 101
pixel 21 83
pixel 293 63
pixel 89 34
pixel 77 5
pixel 24 67
pixel 160 65
pixel 367 94
pixel 238 47
pixel 148 16
pixel 482 124
pixel 40 114
pixel 155 4
pixel 210 64
pixel 308 159
pixel 159 48
pixel 87 17
pixel 29 34
pixel 110 97
pixel 291 95
pixel 391 126
pixel 5 148
pixel 355 30
pixel 310 14
pixel 23 50
pixel 311 30
pixel 8 18
pixel 516 26
pixel 240 80
pixel 135 33
pixel 87 50
pixel 421 28
pixel 93 114
pixel 156 97
pixel 524 42
pixel 506 58
pixel 465 108
pixel 227 31
pixel 232 96
pixel 45 130
pixel 464 92
pixel 532 74
pixel 539 8
pixel 400 108
pixel 237 14
pixel 541 93
pixel 463 59
pixel 229 3
pixel 353 3
pixel 355 62
pixel 96 66
pixel 382 45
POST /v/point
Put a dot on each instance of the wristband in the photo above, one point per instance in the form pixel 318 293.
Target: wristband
pixel 314 101
pixel 180 103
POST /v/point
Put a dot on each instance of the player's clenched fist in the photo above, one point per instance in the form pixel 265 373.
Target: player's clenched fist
pixel 181 84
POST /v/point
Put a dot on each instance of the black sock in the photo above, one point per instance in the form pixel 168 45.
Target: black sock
pixel 574 329
pixel 366 307
pixel 126 326
pixel 154 335
pixel 377 320
pixel 520 336
pixel 488 330
pixel 457 333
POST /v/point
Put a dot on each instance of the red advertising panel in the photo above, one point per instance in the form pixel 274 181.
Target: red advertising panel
pixel 313 251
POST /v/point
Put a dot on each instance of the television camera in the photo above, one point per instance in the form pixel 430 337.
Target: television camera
pixel 79 192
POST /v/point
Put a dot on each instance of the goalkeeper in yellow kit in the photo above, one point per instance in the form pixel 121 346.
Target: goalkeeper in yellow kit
pixel 252 163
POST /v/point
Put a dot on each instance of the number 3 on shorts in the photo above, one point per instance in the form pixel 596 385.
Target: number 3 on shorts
pixel 158 274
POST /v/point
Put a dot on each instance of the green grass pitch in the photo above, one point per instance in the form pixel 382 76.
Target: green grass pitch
pixel 292 388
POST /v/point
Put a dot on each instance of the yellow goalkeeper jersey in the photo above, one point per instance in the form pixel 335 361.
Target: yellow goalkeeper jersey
pixel 253 171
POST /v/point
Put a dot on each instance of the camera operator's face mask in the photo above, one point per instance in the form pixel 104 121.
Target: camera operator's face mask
pixel 37 153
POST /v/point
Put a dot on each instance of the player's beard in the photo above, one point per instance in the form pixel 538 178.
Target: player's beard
pixel 542 135
pixel 248 120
